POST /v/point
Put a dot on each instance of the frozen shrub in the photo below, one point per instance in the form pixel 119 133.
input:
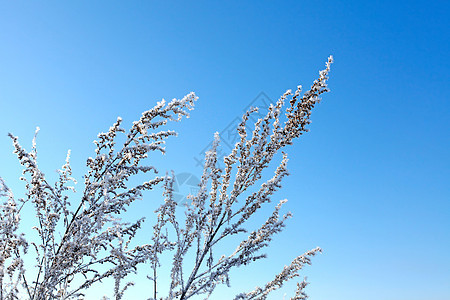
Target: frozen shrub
pixel 87 240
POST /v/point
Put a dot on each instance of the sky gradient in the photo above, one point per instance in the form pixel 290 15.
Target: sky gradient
pixel 370 181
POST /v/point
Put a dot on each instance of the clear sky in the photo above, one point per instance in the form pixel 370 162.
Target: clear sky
pixel 370 182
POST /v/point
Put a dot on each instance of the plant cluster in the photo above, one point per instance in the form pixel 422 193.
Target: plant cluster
pixel 81 244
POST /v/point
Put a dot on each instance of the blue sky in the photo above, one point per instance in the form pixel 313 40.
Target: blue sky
pixel 369 183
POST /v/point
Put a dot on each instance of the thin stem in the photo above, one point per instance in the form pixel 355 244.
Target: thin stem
pixel 154 281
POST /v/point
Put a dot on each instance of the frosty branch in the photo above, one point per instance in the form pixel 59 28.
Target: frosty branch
pixel 80 245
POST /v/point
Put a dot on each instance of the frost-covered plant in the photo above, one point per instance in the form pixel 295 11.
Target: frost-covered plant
pixel 12 245
pixel 89 241
pixel 92 234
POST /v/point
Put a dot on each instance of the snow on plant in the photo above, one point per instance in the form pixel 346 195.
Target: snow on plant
pixel 71 260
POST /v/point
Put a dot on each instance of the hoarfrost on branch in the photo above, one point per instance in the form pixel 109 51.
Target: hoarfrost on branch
pixel 77 240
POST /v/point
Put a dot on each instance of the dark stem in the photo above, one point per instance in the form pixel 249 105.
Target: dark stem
pixel 154 281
